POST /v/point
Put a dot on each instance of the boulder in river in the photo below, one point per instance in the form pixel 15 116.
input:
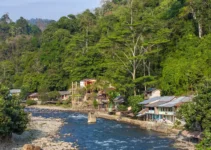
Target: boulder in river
pixel 31 147
pixel 92 117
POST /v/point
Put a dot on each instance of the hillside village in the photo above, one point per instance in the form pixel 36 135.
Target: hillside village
pixel 153 107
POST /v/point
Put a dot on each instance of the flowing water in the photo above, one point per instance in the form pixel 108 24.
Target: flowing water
pixel 105 134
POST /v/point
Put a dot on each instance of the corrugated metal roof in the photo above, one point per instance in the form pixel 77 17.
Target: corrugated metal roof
pixel 160 100
pixel 186 99
pixel 33 95
pixel 173 103
pixel 155 104
pixel 149 100
pixel 167 98
pixel 119 99
pixel 14 91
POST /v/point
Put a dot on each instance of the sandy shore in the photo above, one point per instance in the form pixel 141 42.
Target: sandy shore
pixel 40 132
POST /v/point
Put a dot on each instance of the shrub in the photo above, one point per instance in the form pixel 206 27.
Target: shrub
pixel 122 108
pixel 58 103
pixel 31 102
pixel 66 102
pixel 95 104
pixel 13 118
pixel 53 95
pixel 133 102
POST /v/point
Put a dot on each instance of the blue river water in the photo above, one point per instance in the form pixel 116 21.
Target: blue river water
pixel 105 134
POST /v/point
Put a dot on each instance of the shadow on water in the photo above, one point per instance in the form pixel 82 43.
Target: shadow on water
pixel 105 134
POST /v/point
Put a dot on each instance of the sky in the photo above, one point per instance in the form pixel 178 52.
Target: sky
pixel 45 9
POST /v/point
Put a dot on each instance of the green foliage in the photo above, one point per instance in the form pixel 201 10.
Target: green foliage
pixel 122 107
pixel 13 119
pixel 112 95
pixel 24 93
pixel 205 144
pixel 95 104
pixel 66 102
pixel 133 102
pixel 131 44
pixel 58 103
pixel 53 95
pixel 197 114
pixel 31 102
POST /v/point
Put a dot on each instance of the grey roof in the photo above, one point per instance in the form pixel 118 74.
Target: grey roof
pixel 173 103
pixel 160 100
pixel 167 98
pixel 33 95
pixel 149 100
pixel 155 104
pixel 119 99
pixel 64 92
pixel 14 91
pixel 186 99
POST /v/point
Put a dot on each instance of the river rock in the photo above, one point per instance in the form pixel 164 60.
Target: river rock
pixel 37 148
pixel 92 118
pixel 30 147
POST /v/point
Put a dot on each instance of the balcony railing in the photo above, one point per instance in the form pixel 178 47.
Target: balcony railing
pixel 151 112
pixel 166 113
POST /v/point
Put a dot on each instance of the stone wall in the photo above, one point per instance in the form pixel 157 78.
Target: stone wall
pixel 155 126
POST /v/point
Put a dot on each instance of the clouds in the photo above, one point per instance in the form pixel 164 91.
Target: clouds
pixel 49 9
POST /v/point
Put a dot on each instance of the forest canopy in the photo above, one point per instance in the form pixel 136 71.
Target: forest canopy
pixel 134 45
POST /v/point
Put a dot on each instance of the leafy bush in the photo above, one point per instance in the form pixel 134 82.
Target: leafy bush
pixel 53 95
pixel 178 124
pixel 66 102
pixel 133 102
pixel 122 108
pixel 112 95
pixel 205 143
pixel 95 104
pixel 31 102
pixel 58 103
pixel 13 118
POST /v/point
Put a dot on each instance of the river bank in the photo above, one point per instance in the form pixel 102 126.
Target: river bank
pixel 181 141
pixel 40 132
pixel 155 126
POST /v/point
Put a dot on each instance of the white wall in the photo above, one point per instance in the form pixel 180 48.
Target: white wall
pixel 155 93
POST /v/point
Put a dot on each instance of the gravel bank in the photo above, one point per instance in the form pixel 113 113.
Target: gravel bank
pixel 40 132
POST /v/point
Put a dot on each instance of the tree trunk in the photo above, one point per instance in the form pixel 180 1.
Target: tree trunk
pixel 148 68
pixel 134 77
pixel 144 64
pixel 200 29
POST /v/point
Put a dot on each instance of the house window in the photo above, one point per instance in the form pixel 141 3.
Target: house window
pixel 151 108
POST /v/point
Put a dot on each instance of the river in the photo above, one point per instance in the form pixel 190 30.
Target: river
pixel 105 134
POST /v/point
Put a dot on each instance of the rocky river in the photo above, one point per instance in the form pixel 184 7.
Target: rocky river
pixel 105 134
